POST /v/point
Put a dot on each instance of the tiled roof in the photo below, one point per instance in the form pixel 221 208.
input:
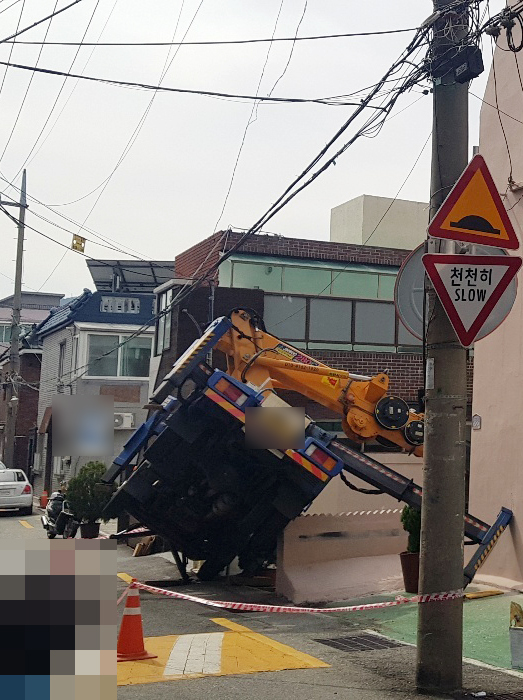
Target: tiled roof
pixel 62 315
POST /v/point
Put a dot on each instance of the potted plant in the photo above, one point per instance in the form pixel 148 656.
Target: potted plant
pixel 411 520
pixel 86 499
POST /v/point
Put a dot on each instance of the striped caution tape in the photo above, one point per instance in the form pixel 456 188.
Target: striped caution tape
pixel 123 595
pixel 256 607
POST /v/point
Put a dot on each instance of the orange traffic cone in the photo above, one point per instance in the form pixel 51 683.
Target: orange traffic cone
pixel 130 639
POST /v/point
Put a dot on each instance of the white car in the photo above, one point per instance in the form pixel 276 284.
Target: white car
pixel 15 490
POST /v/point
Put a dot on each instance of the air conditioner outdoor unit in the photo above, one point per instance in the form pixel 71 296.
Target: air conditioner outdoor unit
pixel 123 421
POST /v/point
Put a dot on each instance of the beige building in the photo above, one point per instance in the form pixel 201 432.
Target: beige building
pixel 380 222
pixel 496 460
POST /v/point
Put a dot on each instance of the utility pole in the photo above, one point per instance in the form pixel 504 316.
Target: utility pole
pixel 440 624
pixel 14 355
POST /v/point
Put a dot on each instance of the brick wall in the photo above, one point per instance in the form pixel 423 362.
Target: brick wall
pixel 27 407
pixel 187 263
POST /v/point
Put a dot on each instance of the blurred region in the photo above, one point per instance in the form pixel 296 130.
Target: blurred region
pixel 278 428
pixel 83 426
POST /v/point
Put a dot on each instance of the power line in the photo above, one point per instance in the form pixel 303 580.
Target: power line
pixel 40 21
pixel 510 116
pixel 28 85
pixel 61 88
pixel 249 121
pixel 222 43
pixel 141 122
pixel 12 46
pixel 160 88
pixel 37 150
pixel 10 6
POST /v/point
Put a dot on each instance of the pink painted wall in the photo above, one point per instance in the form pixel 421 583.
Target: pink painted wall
pixel 497 449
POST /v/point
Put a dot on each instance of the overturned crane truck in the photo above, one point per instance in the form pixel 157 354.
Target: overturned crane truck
pixel 212 496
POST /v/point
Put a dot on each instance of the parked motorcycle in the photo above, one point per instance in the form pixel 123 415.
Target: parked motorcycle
pixel 58 519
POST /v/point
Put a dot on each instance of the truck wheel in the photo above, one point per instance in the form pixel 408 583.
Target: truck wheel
pixel 212 567
pixel 51 535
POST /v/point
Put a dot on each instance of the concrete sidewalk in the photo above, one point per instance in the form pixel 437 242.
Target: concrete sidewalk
pixel 377 674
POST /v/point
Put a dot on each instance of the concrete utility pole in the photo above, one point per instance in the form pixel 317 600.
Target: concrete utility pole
pixel 14 355
pixel 440 624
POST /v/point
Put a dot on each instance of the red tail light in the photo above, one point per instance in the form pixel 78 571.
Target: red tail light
pixel 27 489
pixel 320 456
pixel 232 392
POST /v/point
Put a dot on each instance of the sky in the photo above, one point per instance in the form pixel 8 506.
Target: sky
pixel 179 151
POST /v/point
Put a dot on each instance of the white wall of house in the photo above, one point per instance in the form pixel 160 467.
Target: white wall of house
pixel 78 379
pixel 498 359
pixel 380 222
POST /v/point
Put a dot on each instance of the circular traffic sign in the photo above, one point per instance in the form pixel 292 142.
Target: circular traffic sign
pixel 409 294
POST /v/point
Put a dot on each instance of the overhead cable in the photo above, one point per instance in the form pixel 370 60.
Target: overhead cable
pixel 161 88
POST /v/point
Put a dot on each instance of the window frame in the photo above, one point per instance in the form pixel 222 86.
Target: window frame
pixel 121 337
pixel 62 349
pixel 312 343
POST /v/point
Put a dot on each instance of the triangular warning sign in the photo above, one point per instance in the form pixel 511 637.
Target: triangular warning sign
pixel 473 212
pixel 469 287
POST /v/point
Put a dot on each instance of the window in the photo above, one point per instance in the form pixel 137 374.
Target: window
pixel 163 326
pixel 61 359
pixel 306 280
pixel 134 358
pixel 386 286
pixel 359 285
pixel 112 356
pixel 330 320
pixel 120 305
pixel 256 276
pixel 374 323
pixel 103 355
pixel 285 316
pixel 337 324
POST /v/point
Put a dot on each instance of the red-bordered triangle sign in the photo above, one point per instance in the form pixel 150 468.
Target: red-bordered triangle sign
pixel 473 212
pixel 469 287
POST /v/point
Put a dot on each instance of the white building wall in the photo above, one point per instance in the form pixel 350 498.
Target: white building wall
pixel 368 220
pixel 498 359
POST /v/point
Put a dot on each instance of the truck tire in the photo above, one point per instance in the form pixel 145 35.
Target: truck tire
pixel 210 568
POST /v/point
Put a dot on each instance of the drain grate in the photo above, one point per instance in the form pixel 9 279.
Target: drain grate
pixel 505 696
pixel 360 642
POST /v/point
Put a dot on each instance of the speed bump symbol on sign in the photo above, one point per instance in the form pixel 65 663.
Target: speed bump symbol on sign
pixel 473 212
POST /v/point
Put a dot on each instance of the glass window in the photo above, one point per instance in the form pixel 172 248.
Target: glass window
pixel 330 319
pixel 163 329
pixel 135 356
pixel 61 359
pixel 252 276
pixel 103 355
pixel 375 323
pixel 7 476
pixel 20 476
pixel 306 280
pixel 405 337
pixel 359 285
pixel 285 316
pixel 386 286
pixel 168 315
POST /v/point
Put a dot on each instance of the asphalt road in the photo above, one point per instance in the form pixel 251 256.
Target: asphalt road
pixel 384 674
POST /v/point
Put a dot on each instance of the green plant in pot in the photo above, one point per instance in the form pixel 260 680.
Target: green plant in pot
pixel 87 498
pixel 411 521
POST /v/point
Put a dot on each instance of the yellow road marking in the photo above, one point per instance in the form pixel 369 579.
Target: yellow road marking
pixel 26 524
pixel 125 577
pixel 242 651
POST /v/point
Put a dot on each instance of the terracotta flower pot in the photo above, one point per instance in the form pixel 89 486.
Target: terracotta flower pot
pixel 410 568
pixel 89 531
